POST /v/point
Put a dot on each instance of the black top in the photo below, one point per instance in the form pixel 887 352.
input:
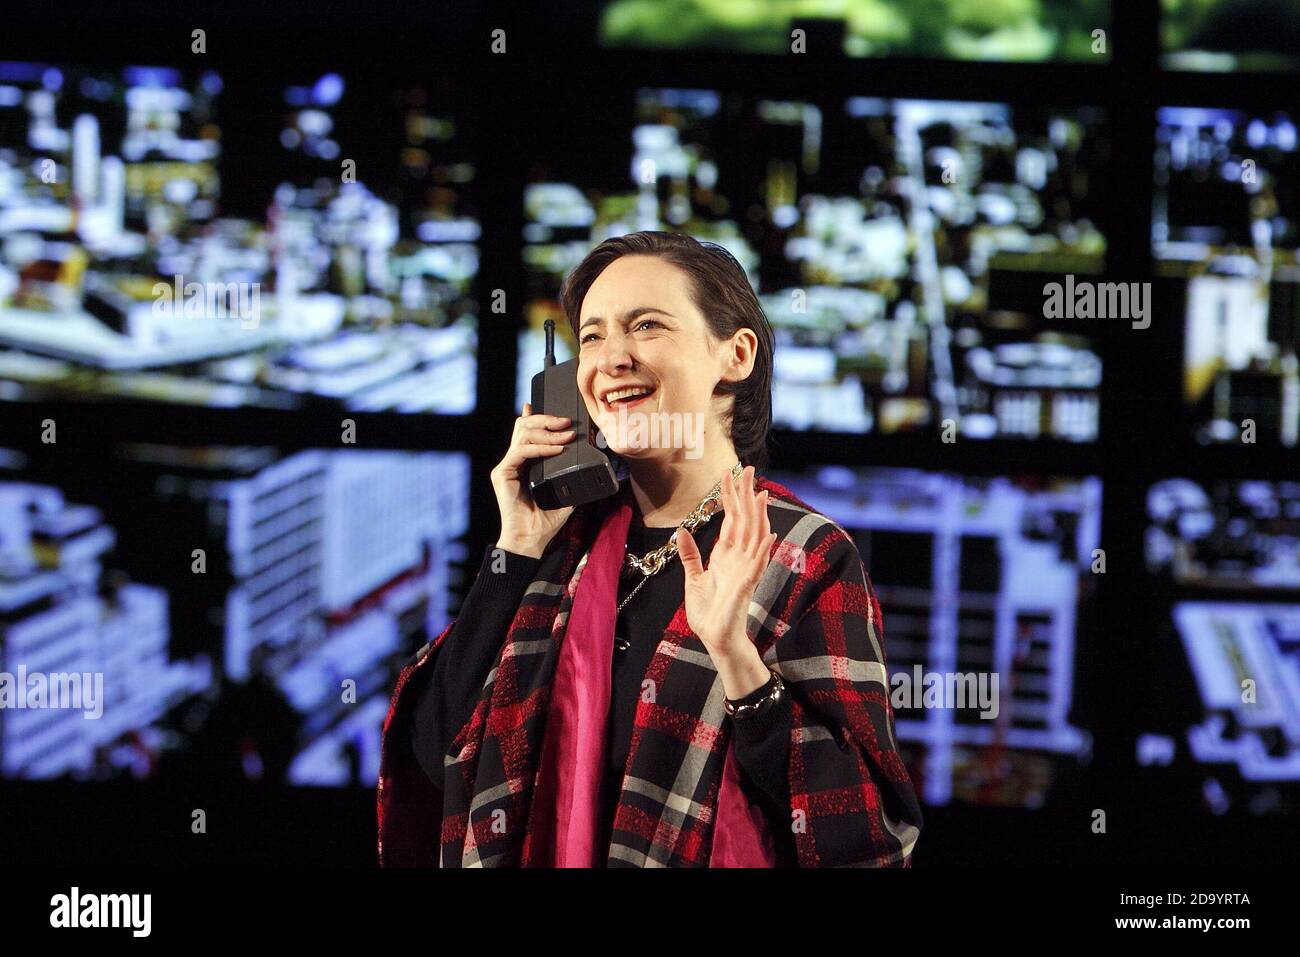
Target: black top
pixel 473 647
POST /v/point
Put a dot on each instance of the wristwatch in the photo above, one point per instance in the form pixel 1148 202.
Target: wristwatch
pixel 769 694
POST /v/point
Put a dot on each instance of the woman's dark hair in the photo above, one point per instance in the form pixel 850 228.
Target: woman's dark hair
pixel 721 291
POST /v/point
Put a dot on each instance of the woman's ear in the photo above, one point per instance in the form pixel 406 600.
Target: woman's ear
pixel 741 350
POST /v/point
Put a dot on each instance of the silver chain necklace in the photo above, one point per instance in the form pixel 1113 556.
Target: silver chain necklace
pixel 655 561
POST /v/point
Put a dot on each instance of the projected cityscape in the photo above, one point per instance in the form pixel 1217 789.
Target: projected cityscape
pixel 900 249
pixel 1227 554
pixel 975 576
pixel 245 611
pixel 1226 235
pixel 130 269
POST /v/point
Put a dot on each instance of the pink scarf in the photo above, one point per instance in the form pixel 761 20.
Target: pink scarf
pixel 574 746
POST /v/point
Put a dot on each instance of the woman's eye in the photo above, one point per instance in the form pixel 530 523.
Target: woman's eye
pixel 592 337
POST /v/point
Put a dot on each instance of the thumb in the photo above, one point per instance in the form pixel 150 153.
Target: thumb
pixel 689 553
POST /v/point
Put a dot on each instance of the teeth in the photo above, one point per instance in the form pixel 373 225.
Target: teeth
pixel 626 393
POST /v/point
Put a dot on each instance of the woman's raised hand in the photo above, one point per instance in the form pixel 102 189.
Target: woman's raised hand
pixel 717 598
pixel 527 529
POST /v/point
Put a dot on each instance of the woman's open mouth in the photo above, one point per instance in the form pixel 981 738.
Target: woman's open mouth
pixel 627 397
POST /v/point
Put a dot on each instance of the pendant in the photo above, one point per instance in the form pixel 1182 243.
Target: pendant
pixel 622 644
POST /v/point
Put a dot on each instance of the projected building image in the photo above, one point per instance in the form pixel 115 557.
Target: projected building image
pixel 899 247
pixel 245 610
pixel 975 576
pixel 1246 660
pixel 1226 235
pixel 1231 551
pixel 131 269
pixel 1227 534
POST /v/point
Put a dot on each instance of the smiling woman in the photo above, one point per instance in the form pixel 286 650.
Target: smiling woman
pixel 599 703
pixel 675 307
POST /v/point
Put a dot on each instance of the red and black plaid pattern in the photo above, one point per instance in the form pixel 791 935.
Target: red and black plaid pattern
pixel 814 618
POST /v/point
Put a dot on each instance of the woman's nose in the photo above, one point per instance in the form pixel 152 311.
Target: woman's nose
pixel 615 354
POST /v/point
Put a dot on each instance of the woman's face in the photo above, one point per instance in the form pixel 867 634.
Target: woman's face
pixel 639 330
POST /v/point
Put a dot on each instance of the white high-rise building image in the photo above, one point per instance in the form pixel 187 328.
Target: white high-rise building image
pixel 989 585
pixel 113 202
pixel 54 620
pixel 85 160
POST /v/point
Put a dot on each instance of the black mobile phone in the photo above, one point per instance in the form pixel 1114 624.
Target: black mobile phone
pixel 583 472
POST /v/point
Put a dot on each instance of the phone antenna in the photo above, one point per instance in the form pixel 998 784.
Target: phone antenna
pixel 549 361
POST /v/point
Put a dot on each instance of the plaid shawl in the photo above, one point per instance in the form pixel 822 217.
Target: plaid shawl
pixel 814 618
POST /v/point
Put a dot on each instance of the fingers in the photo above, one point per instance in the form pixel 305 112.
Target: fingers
pixel 547 436
pixel 531 449
pixel 762 524
pixel 521 452
pixel 745 539
pixel 727 534
pixel 537 435
pixel 540 420
pixel 538 417
pixel 745 524
pixel 689 553
pixel 760 546
pixel 749 504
